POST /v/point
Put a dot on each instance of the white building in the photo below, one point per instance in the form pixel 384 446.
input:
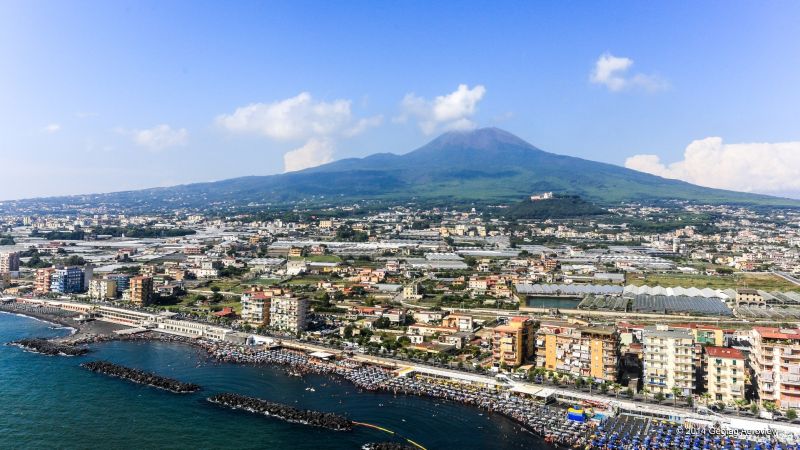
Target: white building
pixel 103 289
pixel 288 313
pixel 670 358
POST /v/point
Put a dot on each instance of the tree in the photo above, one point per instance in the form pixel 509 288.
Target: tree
pixel 770 406
pixel 791 414
pixel 754 408
pixel 659 397
pixel 676 392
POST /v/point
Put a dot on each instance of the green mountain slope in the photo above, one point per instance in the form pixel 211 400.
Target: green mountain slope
pixel 487 165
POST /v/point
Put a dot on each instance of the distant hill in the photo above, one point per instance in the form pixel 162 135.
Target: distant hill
pixel 484 165
pixel 557 207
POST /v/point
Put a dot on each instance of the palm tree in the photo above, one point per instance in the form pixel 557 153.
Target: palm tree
pixel 676 392
pixel 616 387
pixel 645 391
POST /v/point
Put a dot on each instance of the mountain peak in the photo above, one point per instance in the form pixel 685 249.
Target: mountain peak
pixel 482 139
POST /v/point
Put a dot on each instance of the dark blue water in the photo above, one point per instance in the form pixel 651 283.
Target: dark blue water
pixel 50 402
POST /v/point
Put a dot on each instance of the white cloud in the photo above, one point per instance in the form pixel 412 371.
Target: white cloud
pixel 160 137
pixel 448 112
pixel 52 128
pixel 768 168
pixel 612 72
pixel 295 118
pixel 319 124
pixel 314 153
pixel 363 125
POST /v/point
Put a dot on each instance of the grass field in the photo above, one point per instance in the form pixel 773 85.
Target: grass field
pixel 319 258
pixel 765 282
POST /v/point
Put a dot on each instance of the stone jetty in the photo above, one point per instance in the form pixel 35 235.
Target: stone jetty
pixel 47 347
pixel 330 421
pixel 386 446
pixel 141 377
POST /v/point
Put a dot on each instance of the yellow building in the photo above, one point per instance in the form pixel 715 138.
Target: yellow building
pixel 724 374
pixel 579 350
pixel 512 344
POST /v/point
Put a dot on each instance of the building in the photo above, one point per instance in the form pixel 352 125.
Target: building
pixel 583 351
pixel 102 289
pixel 122 281
pixel 9 263
pixel 43 280
pixel 749 297
pixel 141 290
pixel 255 306
pixel 288 313
pixel 775 365
pixel 68 280
pixel 411 292
pixel 705 334
pixel 512 344
pixel 670 360
pixel 724 374
pixel 462 322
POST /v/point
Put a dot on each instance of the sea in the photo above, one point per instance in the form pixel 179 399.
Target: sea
pixel 50 402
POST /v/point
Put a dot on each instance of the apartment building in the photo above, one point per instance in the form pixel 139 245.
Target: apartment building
pixel 141 290
pixel 9 263
pixel 122 281
pixel 584 351
pixel 67 280
pixel 288 313
pixel 724 374
pixel 102 289
pixel 512 344
pixel 256 305
pixel 43 280
pixel 670 360
pixel 775 365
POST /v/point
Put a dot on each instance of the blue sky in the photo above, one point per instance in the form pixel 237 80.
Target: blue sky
pixel 102 96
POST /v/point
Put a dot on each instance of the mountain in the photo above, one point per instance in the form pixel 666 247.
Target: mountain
pixel 484 165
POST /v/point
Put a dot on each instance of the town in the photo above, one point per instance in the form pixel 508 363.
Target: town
pixel 689 306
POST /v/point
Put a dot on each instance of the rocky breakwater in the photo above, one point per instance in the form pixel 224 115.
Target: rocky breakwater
pixel 141 377
pixel 47 347
pixel 387 446
pixel 330 421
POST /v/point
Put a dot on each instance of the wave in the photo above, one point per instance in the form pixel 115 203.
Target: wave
pixel 54 325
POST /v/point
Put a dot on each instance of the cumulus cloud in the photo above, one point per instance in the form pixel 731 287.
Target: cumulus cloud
pixel 52 128
pixel 319 124
pixel 613 72
pixel 314 153
pixel 299 117
pixel 768 168
pixel 160 137
pixel 445 112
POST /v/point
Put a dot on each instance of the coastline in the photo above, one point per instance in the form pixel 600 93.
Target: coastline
pixel 55 321
pixel 547 422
